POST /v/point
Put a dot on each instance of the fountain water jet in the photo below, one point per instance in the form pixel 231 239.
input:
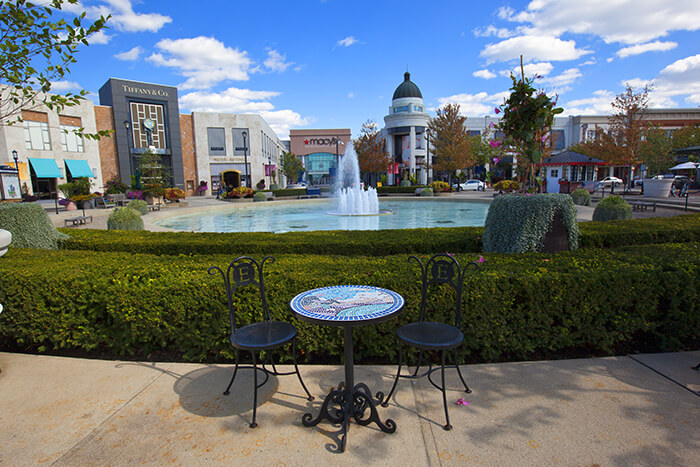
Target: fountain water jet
pixel 353 200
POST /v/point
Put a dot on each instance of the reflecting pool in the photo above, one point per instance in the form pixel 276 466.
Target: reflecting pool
pixel 315 215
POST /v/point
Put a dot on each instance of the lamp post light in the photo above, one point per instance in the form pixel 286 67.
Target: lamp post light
pixel 245 157
pixel 127 126
pixel 427 157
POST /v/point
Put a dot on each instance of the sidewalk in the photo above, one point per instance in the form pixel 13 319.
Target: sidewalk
pixel 630 410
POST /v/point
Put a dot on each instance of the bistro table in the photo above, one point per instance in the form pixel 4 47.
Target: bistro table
pixel 348 306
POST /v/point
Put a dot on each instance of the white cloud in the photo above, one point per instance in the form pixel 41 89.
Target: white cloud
pixel 475 104
pixel 203 60
pixel 100 37
pixel 624 21
pixel 276 61
pixel 347 42
pixel 532 69
pixel 63 86
pixel 679 79
pixel 130 55
pixel 656 46
pixel 124 18
pixel 563 79
pixel 236 100
pixel 490 30
pixel 485 74
pixel 532 47
pixel 596 105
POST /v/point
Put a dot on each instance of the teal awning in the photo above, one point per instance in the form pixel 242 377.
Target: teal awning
pixel 79 168
pixel 45 168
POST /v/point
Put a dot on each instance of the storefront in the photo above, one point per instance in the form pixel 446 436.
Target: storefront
pixel 320 151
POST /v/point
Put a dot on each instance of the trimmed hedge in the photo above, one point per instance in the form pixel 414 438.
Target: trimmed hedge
pixel 30 226
pixel 519 224
pixel 139 206
pixel 516 307
pixel 684 228
pixel 399 189
pixel 125 219
pixel 612 208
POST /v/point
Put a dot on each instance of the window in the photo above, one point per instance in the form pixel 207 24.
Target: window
pixel 590 135
pixel 139 113
pixel 403 108
pixel 217 141
pixel 417 108
pixel 36 135
pixel 559 139
pixel 554 173
pixel 70 141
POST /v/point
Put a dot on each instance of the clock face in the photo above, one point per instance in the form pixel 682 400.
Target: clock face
pixel 149 124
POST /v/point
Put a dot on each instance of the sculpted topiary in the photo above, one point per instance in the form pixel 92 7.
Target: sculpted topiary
pixel 612 208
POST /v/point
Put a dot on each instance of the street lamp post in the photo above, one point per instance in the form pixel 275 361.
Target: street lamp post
pixel 245 157
pixel 127 126
pixel 269 170
pixel 427 157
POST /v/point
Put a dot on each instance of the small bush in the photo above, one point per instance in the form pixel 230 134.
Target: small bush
pixel 612 208
pixel 439 186
pixel 139 206
pixel 519 224
pixel 30 226
pixel 507 185
pixel 125 219
pixel 405 183
pixel 581 197
pixel 274 187
pixel 259 196
pixel 398 189
pixel 426 191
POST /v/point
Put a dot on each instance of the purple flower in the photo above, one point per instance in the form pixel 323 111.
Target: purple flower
pixel 461 401
pixel 495 160
pixel 497 110
pixel 495 144
pixel 481 259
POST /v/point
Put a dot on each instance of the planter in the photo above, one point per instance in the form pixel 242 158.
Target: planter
pixel 657 188
pixel 5 240
pixel 71 206
pixel 153 199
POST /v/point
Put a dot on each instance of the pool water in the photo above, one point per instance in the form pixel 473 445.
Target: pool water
pixel 314 215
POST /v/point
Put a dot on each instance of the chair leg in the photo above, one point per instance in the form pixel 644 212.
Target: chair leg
pixel 385 402
pixel 447 427
pixel 459 372
pixel 255 389
pixel 296 368
pixel 420 361
pixel 227 391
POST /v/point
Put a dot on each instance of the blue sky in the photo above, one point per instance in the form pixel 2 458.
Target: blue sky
pixel 335 64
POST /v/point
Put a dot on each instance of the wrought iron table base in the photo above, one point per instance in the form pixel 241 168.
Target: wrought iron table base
pixel 342 405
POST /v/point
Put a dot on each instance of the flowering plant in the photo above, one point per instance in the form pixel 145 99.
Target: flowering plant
pixel 134 194
pixel 202 186
pixel 174 194
pixel 240 192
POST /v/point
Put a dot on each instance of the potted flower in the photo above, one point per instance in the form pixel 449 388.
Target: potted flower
pixel 202 188
pixel 240 192
pixel 174 194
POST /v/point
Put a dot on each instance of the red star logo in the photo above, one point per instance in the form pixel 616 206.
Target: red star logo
pixel 306 141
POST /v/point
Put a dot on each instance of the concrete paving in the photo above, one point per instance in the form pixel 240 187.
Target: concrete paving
pixel 627 410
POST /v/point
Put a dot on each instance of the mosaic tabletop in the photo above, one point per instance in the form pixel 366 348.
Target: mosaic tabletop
pixel 347 304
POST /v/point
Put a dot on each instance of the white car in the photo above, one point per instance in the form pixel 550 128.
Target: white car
pixel 474 185
pixel 607 181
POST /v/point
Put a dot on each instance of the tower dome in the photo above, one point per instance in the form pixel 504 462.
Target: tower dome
pixel 407 89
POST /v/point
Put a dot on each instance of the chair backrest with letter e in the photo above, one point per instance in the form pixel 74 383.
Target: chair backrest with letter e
pixel 442 269
pixel 243 271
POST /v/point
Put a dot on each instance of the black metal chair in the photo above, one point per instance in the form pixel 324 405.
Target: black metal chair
pixel 259 336
pixel 426 335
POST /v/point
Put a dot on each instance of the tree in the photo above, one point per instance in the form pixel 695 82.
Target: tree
pixel 627 124
pixel 370 149
pixel 35 51
pixel 450 141
pixel 528 116
pixel 292 166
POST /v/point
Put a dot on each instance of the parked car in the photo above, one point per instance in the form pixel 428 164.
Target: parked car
pixel 475 185
pixel 609 181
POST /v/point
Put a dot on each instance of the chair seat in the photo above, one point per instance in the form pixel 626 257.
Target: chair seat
pixel 263 335
pixel 427 335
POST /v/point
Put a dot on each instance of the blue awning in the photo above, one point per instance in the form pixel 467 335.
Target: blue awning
pixel 45 168
pixel 79 168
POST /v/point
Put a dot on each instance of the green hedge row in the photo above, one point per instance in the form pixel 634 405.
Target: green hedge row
pixel 374 243
pixel 399 189
pixel 516 307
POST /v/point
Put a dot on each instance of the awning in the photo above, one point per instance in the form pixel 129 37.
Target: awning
pixel 79 168
pixel 45 168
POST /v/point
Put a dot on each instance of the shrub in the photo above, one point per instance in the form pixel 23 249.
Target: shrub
pixel 125 219
pixel 507 185
pixel 398 189
pixel 612 208
pixel 426 191
pixel 439 186
pixel 405 183
pixel 274 187
pixel 259 196
pixel 30 226
pixel 139 206
pixel 114 185
pixel 517 307
pixel 581 197
pixel 519 224
pixel 174 194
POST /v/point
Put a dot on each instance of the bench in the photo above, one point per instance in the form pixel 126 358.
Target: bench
pixel 80 220
pixel 642 205
pixel 153 207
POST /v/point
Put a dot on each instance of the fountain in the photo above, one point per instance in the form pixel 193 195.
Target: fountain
pixel 353 199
